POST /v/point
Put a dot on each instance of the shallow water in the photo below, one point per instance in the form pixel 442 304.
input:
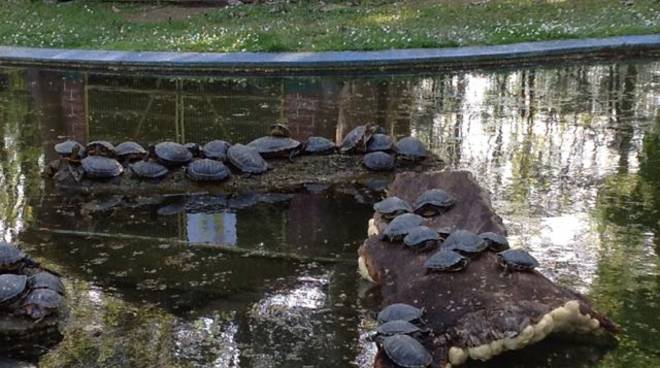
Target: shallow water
pixel 570 154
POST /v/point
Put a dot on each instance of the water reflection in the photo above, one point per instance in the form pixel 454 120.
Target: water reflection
pixel 570 154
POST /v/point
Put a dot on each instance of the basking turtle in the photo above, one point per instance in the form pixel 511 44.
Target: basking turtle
pixel 399 227
pixel 12 287
pixel 46 280
pixel 194 148
pixel 146 169
pixel 465 242
pixel 11 258
pixel 516 260
pixel 411 148
pixel 378 161
pixel 100 167
pixel 406 352
pixel 246 159
pixel 380 142
pixel 421 238
pixel 392 207
pixel 496 242
pixel 400 311
pixel 446 260
pixel 207 170
pixel 216 150
pixel 130 151
pixel 319 146
pixel 41 303
pixel 171 154
pixel 398 327
pixel 70 150
pixel 433 202
pixel 100 148
pixel 270 147
pixel 357 139
pixel 279 130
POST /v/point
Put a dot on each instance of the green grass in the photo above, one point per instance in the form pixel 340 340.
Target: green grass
pixel 307 26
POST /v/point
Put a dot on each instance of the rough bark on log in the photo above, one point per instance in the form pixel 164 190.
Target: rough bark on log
pixel 481 311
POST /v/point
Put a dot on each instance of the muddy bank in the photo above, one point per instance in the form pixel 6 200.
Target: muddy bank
pixel 482 311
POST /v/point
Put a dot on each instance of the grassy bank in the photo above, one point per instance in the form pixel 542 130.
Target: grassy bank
pixel 314 26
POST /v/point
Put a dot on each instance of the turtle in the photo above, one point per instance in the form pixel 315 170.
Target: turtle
pixel 216 150
pixel 46 280
pixel 357 139
pixel 279 130
pixel 516 260
pixel 70 150
pixel 496 242
pixel 400 311
pixel 11 258
pixel 247 159
pixel 194 148
pixel 397 327
pixel 100 167
pixel 380 142
pixel 410 148
pixel 270 147
pixel 433 202
pixel 130 151
pixel 100 148
pixel 399 227
pixel 464 241
pixel 41 303
pixel 147 169
pixel 171 154
pixel 206 169
pixel 378 161
pixel 406 352
pixel 319 146
pixel 12 287
pixel 421 238
pixel 446 260
pixel 392 207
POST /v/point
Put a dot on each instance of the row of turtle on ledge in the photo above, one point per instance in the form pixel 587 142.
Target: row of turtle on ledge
pixel 455 247
pixel 103 160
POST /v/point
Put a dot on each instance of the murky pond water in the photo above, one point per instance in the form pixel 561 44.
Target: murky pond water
pixel 570 154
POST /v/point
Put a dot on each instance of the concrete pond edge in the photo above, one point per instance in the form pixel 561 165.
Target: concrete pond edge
pixel 332 61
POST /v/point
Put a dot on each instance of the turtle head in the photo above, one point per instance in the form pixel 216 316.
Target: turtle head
pixel 279 130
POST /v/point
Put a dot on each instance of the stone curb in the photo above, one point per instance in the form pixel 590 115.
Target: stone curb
pixel 335 61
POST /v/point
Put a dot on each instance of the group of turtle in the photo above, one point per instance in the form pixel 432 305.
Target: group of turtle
pixel 103 160
pixel 25 288
pixel 406 224
pixel 398 335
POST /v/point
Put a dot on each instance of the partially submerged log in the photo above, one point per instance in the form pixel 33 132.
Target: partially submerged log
pixel 481 311
pixel 285 176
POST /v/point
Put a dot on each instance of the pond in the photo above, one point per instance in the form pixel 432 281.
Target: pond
pixel 569 153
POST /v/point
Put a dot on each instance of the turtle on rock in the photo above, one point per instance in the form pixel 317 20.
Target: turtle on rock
pixel 319 146
pixel 207 170
pixel 356 140
pixel 406 352
pixel 516 260
pixel 400 312
pixel 446 260
pixel 100 148
pixel 411 149
pixel 433 202
pixel 130 151
pixel 247 159
pixel 378 161
pixel 171 154
pixel 101 167
pixel 400 226
pixel 392 207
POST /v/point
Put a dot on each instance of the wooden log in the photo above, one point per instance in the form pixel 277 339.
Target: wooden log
pixel 481 311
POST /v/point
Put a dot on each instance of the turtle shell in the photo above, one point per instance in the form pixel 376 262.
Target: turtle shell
pixel 421 237
pixel 216 150
pixel 207 170
pixel 10 256
pixel 464 241
pixel 446 260
pixel 100 148
pixel 149 169
pixel 411 148
pixel 11 287
pixel 380 142
pixel 397 327
pixel 46 280
pixel 433 202
pixel 130 150
pixel 517 260
pixel 399 311
pixel 66 148
pixel 172 154
pixel 319 146
pixel 496 242
pixel 378 161
pixel 406 352
pixel 279 130
pixel 401 225
pixel 41 302
pixel 357 139
pixel 101 167
pixel 391 207
pixel 247 159
pixel 269 146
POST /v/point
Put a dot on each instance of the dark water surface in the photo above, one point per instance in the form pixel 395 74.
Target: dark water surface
pixel 571 155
